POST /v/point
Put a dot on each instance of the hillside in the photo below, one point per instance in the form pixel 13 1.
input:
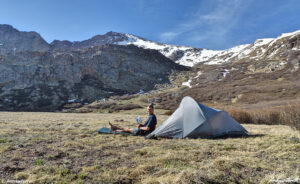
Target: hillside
pixel 262 72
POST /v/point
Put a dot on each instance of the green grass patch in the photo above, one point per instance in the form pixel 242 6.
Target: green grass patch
pixel 38 162
pixel 6 140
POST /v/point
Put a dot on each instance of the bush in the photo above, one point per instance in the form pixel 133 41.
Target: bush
pixel 242 116
pixel 286 115
pixel 291 115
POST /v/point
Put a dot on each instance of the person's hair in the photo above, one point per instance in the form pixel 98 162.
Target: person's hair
pixel 151 105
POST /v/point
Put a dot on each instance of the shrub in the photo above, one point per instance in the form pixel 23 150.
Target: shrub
pixel 286 115
pixel 242 116
pixel 291 114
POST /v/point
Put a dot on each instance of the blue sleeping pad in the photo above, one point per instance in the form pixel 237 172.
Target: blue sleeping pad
pixel 106 130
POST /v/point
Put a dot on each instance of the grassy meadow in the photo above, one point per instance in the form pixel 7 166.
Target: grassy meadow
pixel 38 147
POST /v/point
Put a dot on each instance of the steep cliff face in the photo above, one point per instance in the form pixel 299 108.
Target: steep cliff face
pixel 47 80
pixel 34 76
pixel 13 41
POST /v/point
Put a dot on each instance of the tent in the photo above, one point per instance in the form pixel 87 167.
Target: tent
pixel 192 119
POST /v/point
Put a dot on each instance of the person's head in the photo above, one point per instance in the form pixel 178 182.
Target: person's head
pixel 150 109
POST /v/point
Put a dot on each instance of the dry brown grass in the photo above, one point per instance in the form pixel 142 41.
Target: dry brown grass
pixel 284 115
pixel 65 148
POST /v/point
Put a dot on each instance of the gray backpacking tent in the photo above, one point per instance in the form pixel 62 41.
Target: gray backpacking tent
pixel 192 119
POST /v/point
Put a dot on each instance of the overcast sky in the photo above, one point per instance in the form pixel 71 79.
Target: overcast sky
pixel 211 24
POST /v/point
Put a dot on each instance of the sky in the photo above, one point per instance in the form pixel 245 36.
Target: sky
pixel 210 24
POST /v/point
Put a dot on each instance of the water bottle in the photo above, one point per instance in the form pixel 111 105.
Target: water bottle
pixel 138 120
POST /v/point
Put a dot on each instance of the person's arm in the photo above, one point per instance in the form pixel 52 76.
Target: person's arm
pixel 145 125
pixel 142 127
pixel 145 128
pixel 150 123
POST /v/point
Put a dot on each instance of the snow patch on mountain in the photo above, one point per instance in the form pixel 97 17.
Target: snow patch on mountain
pixel 198 74
pixel 146 44
pixel 283 35
pixel 189 56
pixel 188 83
pixel 289 34
pixel 261 42
pixel 225 72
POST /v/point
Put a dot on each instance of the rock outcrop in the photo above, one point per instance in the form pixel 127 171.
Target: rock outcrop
pixel 38 78
pixel 13 41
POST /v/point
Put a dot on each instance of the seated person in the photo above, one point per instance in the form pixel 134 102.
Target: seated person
pixel 145 129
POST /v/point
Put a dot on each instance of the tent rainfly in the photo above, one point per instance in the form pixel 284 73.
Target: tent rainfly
pixel 193 120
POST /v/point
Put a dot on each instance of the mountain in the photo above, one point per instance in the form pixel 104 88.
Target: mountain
pixel 12 40
pixel 189 56
pixel 98 40
pixel 263 56
pixel 44 79
pixel 35 75
pixel 264 72
pixel 262 49
pixel 182 55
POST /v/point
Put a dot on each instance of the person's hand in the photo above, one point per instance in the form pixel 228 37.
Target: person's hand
pixel 139 126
